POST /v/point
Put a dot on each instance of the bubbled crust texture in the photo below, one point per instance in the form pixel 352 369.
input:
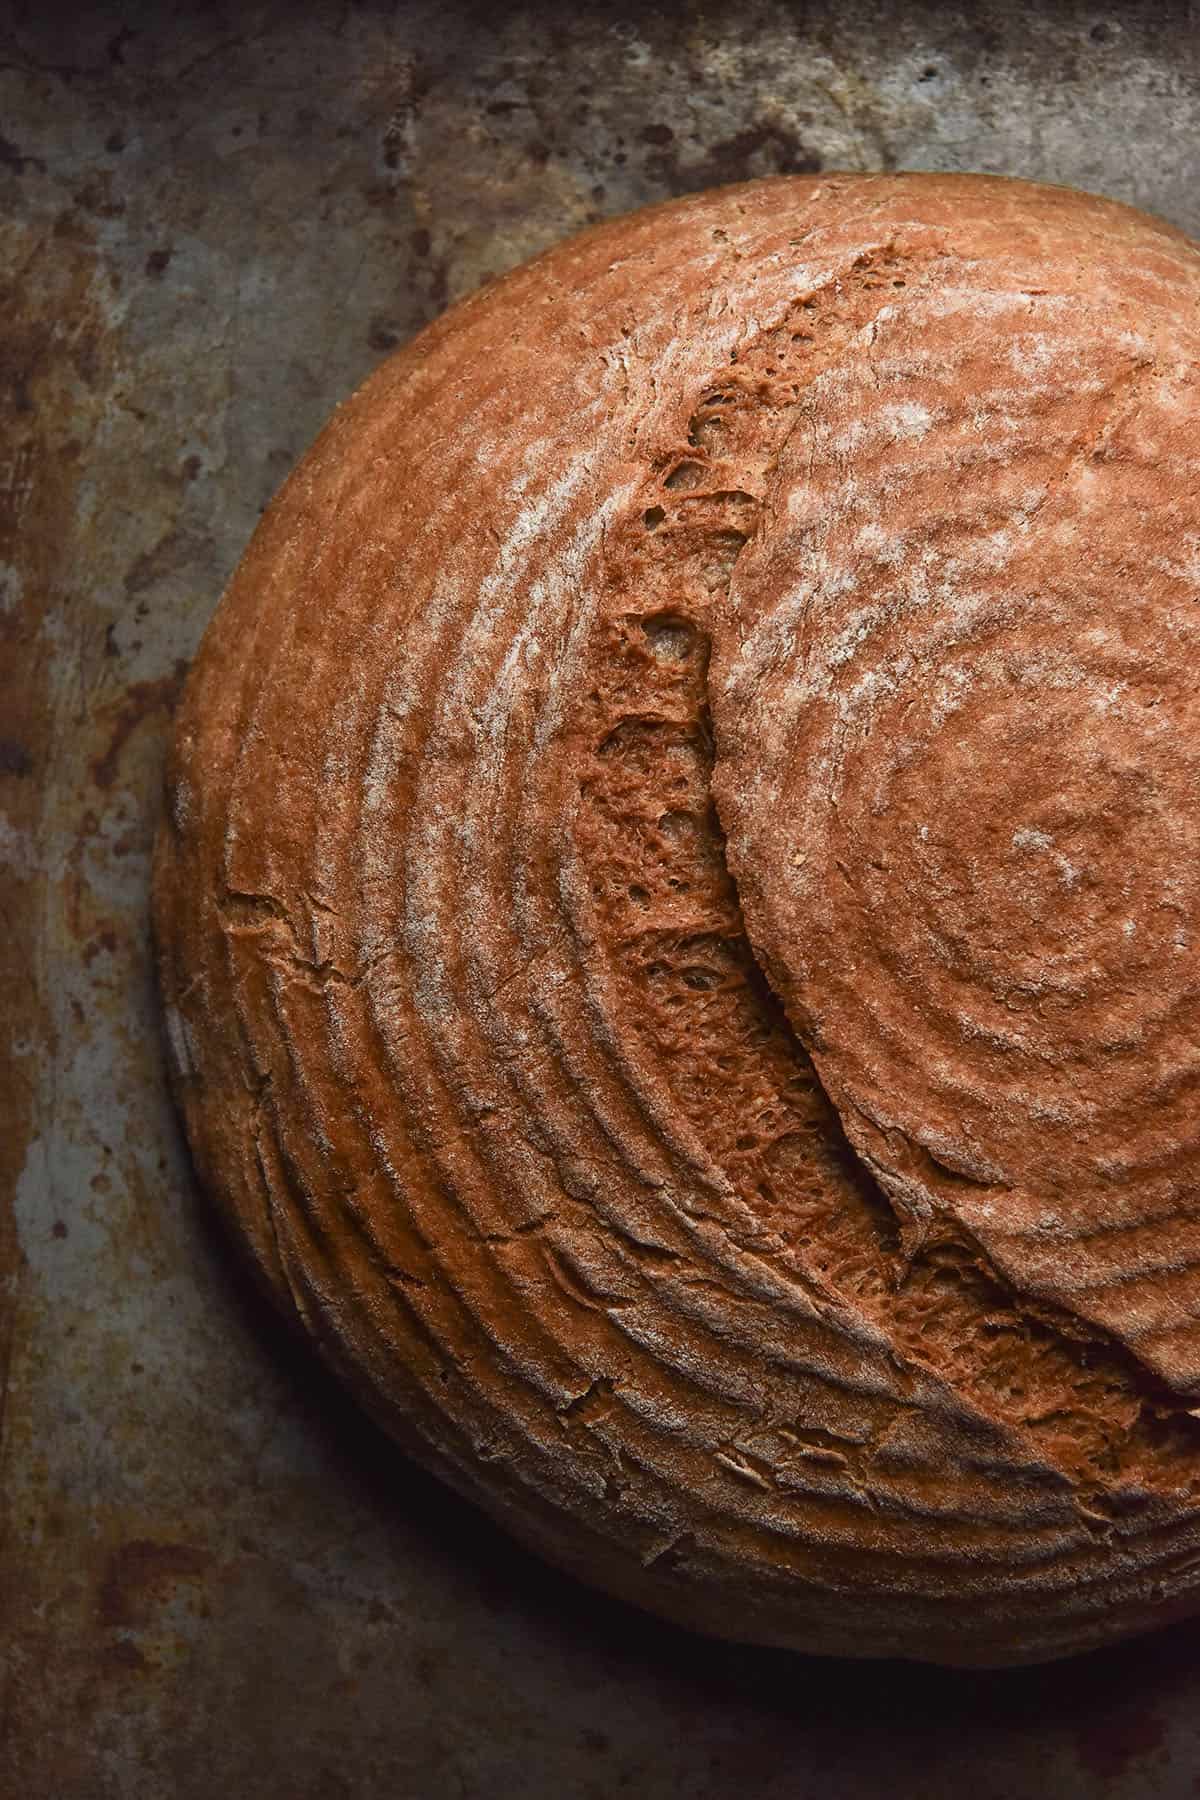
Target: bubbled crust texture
pixel 801 496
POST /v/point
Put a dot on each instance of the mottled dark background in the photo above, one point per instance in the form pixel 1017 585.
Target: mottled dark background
pixel 216 1579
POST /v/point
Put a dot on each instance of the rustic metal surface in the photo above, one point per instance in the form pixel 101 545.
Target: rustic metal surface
pixel 216 1578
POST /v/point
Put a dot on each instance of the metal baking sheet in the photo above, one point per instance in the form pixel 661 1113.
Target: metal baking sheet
pixel 216 1578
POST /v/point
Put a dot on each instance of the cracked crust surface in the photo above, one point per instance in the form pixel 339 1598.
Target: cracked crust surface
pixel 467 1029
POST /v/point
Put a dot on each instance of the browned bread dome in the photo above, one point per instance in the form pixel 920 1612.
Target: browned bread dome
pixel 678 911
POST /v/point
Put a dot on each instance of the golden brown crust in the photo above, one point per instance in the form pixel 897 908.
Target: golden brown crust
pixel 466 1030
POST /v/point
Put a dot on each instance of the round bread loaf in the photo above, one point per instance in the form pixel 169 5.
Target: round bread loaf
pixel 678 911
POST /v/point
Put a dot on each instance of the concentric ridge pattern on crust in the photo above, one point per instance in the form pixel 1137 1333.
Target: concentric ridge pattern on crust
pixel 467 1031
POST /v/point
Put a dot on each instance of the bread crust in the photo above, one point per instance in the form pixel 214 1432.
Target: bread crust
pixel 470 1040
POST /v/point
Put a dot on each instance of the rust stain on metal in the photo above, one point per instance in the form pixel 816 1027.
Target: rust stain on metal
pixel 49 307
pixel 142 1572
pixel 140 701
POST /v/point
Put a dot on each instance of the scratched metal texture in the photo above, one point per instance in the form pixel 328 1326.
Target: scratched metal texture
pixel 216 1578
